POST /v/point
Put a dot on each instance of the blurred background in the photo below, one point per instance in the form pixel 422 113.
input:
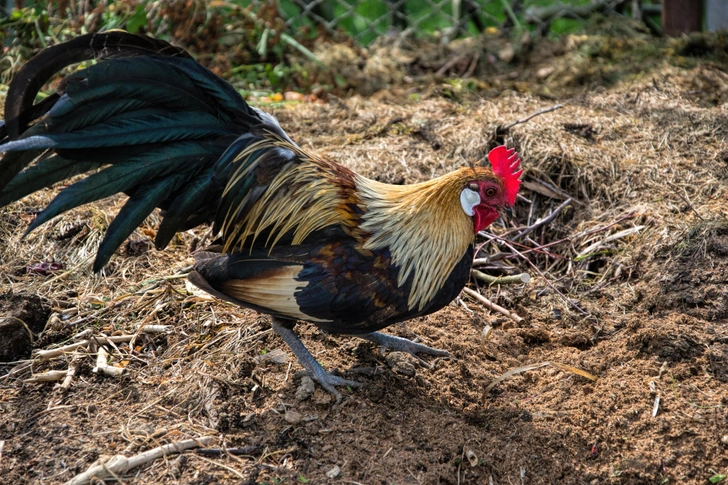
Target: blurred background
pixel 345 46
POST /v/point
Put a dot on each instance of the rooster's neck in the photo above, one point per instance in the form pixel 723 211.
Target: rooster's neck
pixel 422 225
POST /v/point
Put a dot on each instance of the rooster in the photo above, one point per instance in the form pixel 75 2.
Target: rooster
pixel 302 237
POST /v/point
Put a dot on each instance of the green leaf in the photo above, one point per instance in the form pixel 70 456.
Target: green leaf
pixel 137 20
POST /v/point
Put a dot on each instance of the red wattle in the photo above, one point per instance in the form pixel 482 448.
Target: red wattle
pixel 483 217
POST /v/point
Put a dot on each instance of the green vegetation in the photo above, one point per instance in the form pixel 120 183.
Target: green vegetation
pixel 269 45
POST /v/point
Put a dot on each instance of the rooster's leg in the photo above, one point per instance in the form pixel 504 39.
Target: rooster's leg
pixel 308 361
pixel 399 344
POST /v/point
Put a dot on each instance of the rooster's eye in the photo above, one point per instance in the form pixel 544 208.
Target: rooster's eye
pixel 490 192
pixel 473 186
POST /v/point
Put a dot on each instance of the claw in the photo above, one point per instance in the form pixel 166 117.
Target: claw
pixel 328 381
pixel 309 362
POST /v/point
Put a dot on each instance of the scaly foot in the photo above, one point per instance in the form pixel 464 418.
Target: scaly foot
pixel 309 362
pixel 399 344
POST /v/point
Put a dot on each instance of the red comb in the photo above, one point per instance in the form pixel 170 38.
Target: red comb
pixel 505 165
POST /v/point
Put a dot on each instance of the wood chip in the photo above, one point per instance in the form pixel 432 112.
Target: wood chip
pixel 334 472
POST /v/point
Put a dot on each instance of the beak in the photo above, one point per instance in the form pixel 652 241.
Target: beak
pixel 507 210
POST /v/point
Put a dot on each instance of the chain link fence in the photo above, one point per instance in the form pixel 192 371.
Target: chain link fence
pixel 365 20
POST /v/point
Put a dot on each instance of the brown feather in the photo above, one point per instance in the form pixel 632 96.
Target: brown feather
pixel 422 225
pixel 274 290
pixel 304 197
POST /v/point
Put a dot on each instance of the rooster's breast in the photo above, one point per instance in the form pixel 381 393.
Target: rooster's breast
pixel 350 291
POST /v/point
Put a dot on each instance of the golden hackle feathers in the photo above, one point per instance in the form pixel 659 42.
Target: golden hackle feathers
pixel 304 197
pixel 422 225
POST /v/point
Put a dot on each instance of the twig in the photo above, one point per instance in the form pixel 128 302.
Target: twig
pixel 244 451
pixel 50 376
pixel 511 14
pixel 453 60
pixel 460 302
pixel 526 249
pixel 505 128
pixel 491 258
pixel 543 221
pixel 48 354
pixel 613 237
pixel 500 280
pixel 685 199
pixel 553 243
pixel 120 464
pixel 118 339
pixel 155 328
pixel 656 405
pixel 83 334
pixel 473 65
pixel 225 467
pixel 153 283
pixel 72 369
pixel 548 282
pixel 22 367
pixel 303 50
pixel 102 364
pixel 492 306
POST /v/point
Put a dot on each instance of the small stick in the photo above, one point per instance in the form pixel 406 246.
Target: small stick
pixel 47 354
pixel 102 364
pixel 526 249
pixel 504 129
pixel 72 369
pixel 548 245
pixel 685 199
pixel 528 367
pixel 543 221
pixel 155 328
pixel 548 282
pixel 118 339
pixel 50 376
pixel 245 450
pixel 500 280
pixel 21 368
pixel 656 405
pixel 150 284
pixel 453 60
pixel 120 464
pixel 112 344
pixel 83 334
pixel 464 305
pixel 472 66
pixel 491 258
pixel 492 306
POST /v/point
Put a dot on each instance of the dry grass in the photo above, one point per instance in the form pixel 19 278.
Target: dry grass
pixel 647 153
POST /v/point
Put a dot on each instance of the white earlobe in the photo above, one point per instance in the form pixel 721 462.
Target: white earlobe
pixel 468 200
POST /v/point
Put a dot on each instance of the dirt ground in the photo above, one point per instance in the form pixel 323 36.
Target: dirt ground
pixel 633 289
